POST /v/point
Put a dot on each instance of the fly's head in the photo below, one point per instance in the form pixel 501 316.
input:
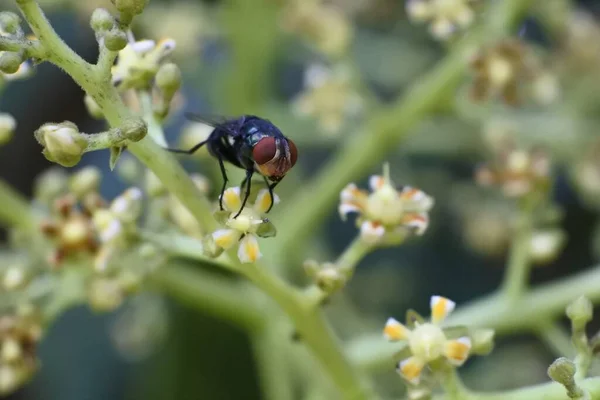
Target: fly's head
pixel 274 157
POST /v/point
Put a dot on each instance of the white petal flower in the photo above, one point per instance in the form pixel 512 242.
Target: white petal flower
pixel 248 251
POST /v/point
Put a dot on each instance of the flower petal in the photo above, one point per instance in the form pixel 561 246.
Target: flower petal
pixel 249 252
pixel 440 308
pixel 352 194
pixel 263 201
pixel 231 199
pixel 346 208
pixel 371 232
pixel 417 222
pixel 457 351
pixel 415 199
pixel 376 182
pixel 226 238
pixel 394 330
pixel 410 369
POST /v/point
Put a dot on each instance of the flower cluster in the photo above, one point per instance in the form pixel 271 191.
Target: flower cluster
pixel 244 229
pixel 516 171
pixel 323 25
pixel 329 97
pixel 427 341
pixel 19 334
pixel 446 16
pixel 509 68
pixel 386 214
pixel 13 65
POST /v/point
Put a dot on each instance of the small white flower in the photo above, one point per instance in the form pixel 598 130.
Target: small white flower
pixel 386 210
pixel 247 226
pixel 427 341
pixel 445 16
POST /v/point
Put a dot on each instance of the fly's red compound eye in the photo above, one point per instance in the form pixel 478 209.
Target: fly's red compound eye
pixel 264 151
pixel 293 152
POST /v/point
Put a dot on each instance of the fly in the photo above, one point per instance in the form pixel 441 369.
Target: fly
pixel 251 143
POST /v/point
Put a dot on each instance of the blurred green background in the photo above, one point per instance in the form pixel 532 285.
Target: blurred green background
pixel 200 357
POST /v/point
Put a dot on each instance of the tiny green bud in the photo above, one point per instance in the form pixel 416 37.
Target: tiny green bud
pixel 85 181
pixel 7 128
pixel 10 22
pixel 92 107
pixel 130 6
pixel 10 62
pixel 311 268
pixel 148 251
pixel 129 169
pixel 482 341
pixel 580 312
pixel 168 79
pixel 562 370
pixel 62 143
pixel 102 20
pixel 50 184
pixel 329 279
pixel 115 40
pixel 134 129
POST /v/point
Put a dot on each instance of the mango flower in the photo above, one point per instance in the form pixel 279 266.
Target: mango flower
pixel 139 61
pixel 446 16
pixel 244 229
pixel 427 341
pixel 386 213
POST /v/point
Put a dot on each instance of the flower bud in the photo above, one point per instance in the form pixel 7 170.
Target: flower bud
pixel 130 6
pixel 580 312
pixel 9 379
pixel 10 22
pixel 92 107
pixel 102 20
pixel 115 40
pixel 11 350
pixel 168 79
pixel 134 129
pixel 562 370
pixel 10 62
pixel 128 206
pixel 329 279
pixel 50 184
pixel 62 143
pixel 7 128
pixel 85 181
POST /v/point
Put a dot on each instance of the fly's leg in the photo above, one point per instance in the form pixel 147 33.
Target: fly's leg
pixel 271 186
pixel 190 151
pixel 248 181
pixel 225 180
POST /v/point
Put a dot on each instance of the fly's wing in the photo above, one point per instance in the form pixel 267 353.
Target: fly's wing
pixel 226 124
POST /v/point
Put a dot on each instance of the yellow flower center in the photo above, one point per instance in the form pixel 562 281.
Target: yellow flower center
pixel 74 232
pixel 427 341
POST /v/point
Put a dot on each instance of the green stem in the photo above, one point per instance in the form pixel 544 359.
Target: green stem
pixel 382 133
pixel 519 260
pixel 453 386
pixel 272 361
pixel 556 338
pixel 210 293
pixel 546 391
pixel 14 209
pixel 539 305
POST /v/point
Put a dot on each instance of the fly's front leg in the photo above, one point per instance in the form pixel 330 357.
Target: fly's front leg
pixel 248 182
pixel 225 180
